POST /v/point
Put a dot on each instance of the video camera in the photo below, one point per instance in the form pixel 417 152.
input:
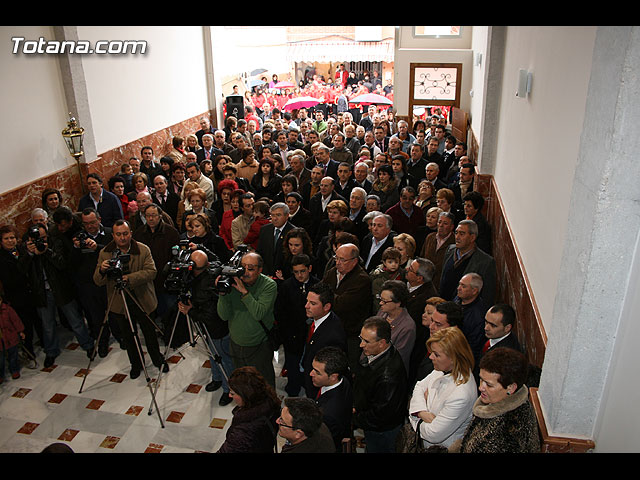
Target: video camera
pixel 118 265
pixel 34 236
pixel 226 272
pixel 179 271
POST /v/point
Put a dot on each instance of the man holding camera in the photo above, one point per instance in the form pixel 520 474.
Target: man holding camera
pixel 87 245
pixel 201 308
pixel 250 301
pixel 127 262
pixel 46 269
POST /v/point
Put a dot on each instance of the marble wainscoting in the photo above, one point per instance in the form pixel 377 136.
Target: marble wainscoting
pixel 16 205
pixel 513 285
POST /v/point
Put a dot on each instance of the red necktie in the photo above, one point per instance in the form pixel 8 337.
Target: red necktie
pixel 311 330
pixel 486 347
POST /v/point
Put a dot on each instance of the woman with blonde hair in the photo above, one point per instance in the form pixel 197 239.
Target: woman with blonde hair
pixel 441 405
pixel 407 246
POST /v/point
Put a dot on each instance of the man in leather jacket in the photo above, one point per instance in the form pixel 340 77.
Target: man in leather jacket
pixel 201 307
pixel 380 388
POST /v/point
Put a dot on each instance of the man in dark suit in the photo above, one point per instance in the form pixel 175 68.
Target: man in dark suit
pixel 330 374
pixel 360 174
pixel 416 165
pixel 230 172
pixel 375 242
pixel 318 203
pixel 357 211
pixel 291 317
pixel 298 169
pixel 345 182
pixel 271 238
pixel 164 198
pixel 474 311
pixel 208 150
pixel 325 330
pixel 381 141
pixel 105 202
pixel 323 158
pixel 499 323
pixel 464 257
pixel 351 286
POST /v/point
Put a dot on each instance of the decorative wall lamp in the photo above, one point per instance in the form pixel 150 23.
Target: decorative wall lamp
pixel 73 136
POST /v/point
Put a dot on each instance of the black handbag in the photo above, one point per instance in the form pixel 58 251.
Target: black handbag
pixel 408 439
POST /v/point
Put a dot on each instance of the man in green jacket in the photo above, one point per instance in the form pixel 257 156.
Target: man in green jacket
pixel 250 301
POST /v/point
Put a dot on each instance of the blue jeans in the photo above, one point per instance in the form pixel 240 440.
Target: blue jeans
pixel 381 442
pixel 222 349
pixel 74 316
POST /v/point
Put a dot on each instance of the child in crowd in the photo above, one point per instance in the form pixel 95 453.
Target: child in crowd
pixel 11 331
pixel 389 269
pixel 260 218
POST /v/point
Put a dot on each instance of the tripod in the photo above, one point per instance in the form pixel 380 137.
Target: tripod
pixel 201 331
pixel 121 288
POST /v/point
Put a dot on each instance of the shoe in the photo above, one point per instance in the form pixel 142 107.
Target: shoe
pixel 134 373
pixel 213 386
pixel 225 399
pixel 103 351
pixel 15 375
pixel 163 366
pixel 49 361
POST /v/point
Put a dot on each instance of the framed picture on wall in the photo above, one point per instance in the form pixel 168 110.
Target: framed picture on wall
pixel 435 84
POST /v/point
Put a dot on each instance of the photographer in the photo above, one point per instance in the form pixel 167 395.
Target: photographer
pixel 201 308
pixel 87 244
pixel 250 301
pixel 127 262
pixel 46 269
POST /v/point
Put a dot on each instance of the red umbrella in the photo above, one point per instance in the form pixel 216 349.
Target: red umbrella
pixel 300 102
pixel 284 84
pixel 371 99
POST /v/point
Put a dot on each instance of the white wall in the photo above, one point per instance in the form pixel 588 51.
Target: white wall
pixel 537 146
pixel 134 95
pixel 34 111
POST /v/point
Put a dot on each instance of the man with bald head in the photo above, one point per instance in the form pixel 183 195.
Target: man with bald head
pixel 352 295
pixel 202 309
pixel 144 199
pixel 248 309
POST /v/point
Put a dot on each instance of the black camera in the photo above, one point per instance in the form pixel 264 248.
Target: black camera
pixel 226 272
pixel 34 236
pixel 178 271
pixel 118 265
pixel 82 237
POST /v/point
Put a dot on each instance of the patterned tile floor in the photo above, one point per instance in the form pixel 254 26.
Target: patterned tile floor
pixel 111 412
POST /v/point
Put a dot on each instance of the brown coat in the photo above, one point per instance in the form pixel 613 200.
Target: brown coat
pixel 142 273
pixel 436 255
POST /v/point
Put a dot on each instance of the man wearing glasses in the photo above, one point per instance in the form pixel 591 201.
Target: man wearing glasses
pixel 250 302
pixel 301 425
pixel 352 300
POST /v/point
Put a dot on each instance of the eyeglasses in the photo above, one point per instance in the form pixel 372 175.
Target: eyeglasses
pixel 368 341
pixel 382 300
pixel 282 424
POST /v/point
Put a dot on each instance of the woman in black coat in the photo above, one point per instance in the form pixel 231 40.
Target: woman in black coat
pixel 253 427
pixel 266 182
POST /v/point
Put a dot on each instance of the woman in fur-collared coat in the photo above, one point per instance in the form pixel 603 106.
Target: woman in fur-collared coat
pixel 503 418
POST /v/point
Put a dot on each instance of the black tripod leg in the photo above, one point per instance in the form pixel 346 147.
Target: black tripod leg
pixel 95 346
pixel 138 344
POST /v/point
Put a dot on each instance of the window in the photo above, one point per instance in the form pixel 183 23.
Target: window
pixel 437 31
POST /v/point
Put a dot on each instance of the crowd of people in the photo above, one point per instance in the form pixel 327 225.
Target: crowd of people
pixel 363 255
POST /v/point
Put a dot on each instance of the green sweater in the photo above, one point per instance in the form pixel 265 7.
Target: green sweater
pixel 243 313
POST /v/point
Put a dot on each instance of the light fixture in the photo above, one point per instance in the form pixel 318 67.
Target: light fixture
pixel 73 136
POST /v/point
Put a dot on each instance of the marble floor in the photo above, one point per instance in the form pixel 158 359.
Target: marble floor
pixel 111 412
